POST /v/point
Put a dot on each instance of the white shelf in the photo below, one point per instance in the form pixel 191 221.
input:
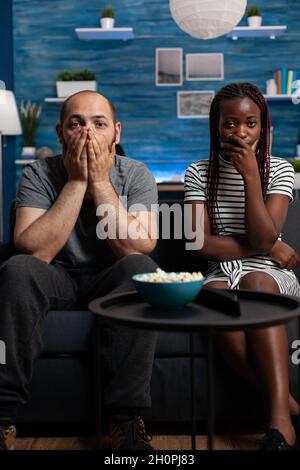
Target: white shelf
pixel 55 99
pixel 261 31
pixel 278 97
pixel 24 161
pixel 86 34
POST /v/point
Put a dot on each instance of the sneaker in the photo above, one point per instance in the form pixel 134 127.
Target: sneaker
pixel 7 437
pixel 129 435
pixel 274 440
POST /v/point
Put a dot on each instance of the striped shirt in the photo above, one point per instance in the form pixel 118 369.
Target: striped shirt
pixel 229 219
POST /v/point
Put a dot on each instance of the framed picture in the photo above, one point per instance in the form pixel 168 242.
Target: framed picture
pixel 194 104
pixel 168 67
pixel 204 66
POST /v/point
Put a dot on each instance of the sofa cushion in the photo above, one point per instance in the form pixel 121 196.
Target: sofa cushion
pixel 68 332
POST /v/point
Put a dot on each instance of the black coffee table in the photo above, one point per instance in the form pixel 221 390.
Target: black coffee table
pixel 212 309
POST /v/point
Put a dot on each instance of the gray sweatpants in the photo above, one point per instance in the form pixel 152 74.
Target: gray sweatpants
pixel 29 288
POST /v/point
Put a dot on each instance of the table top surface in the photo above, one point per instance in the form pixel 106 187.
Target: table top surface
pixel 215 308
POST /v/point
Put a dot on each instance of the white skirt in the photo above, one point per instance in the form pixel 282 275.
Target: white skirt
pixel 232 272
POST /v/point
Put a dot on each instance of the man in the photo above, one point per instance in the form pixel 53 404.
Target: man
pixel 62 261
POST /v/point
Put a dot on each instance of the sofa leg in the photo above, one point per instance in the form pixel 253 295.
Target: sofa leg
pixel 210 390
pixel 98 387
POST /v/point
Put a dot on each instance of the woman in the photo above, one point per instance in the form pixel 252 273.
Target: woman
pixel 245 193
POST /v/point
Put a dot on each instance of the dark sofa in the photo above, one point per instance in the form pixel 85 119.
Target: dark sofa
pixel 62 390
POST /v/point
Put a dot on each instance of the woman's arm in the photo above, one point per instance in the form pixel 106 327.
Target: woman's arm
pixel 263 221
pixel 216 247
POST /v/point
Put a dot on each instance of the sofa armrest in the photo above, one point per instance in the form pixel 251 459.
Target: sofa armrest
pixel 4 251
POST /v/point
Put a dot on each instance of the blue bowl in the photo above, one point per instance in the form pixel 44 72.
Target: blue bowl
pixel 167 295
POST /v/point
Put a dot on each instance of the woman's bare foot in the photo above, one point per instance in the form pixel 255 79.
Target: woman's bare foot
pixel 285 427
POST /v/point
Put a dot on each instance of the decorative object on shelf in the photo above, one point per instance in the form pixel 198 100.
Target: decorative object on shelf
pixel 254 17
pixel 107 20
pixel 44 152
pixel 69 83
pixel 296 164
pixel 9 125
pixel 168 66
pixel 194 104
pixel 207 20
pixel 207 66
pixel 30 114
pixel 271 87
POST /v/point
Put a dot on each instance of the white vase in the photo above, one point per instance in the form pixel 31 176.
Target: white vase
pixel 298 150
pixel 68 88
pixel 28 152
pixel 271 88
pixel 107 23
pixel 254 21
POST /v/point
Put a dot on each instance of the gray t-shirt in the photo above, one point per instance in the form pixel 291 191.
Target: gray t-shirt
pixel 43 180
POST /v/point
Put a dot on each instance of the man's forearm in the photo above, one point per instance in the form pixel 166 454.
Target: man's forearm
pixel 121 220
pixel 47 235
pixel 226 248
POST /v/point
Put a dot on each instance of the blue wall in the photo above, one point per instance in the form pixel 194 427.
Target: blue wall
pixel 7 75
pixel 46 44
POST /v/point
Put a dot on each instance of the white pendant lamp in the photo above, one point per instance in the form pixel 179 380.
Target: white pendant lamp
pixel 207 19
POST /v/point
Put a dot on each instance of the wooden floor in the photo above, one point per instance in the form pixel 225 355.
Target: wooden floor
pixel 224 442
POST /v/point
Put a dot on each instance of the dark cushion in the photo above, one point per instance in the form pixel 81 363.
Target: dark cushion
pixel 69 332
pixel 291 230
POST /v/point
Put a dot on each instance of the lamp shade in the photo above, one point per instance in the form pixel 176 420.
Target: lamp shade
pixel 9 116
pixel 207 19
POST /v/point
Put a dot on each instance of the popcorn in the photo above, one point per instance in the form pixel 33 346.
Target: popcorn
pixel 162 276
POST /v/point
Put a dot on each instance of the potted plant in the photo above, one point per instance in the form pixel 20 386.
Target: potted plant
pixel 68 83
pixel 254 17
pixel 107 20
pixel 29 114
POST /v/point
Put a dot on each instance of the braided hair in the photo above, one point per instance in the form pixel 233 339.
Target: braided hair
pixel 229 92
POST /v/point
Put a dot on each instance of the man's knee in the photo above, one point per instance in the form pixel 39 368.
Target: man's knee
pixel 137 263
pixel 259 281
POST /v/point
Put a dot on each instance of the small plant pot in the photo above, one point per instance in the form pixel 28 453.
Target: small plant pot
pixel 107 23
pixel 28 152
pixel 254 21
pixel 68 88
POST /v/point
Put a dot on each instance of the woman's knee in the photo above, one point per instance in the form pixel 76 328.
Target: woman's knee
pixel 259 281
pixel 217 285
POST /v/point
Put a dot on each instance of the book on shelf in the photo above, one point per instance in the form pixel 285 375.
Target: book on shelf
pixel 284 73
pixel 285 81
